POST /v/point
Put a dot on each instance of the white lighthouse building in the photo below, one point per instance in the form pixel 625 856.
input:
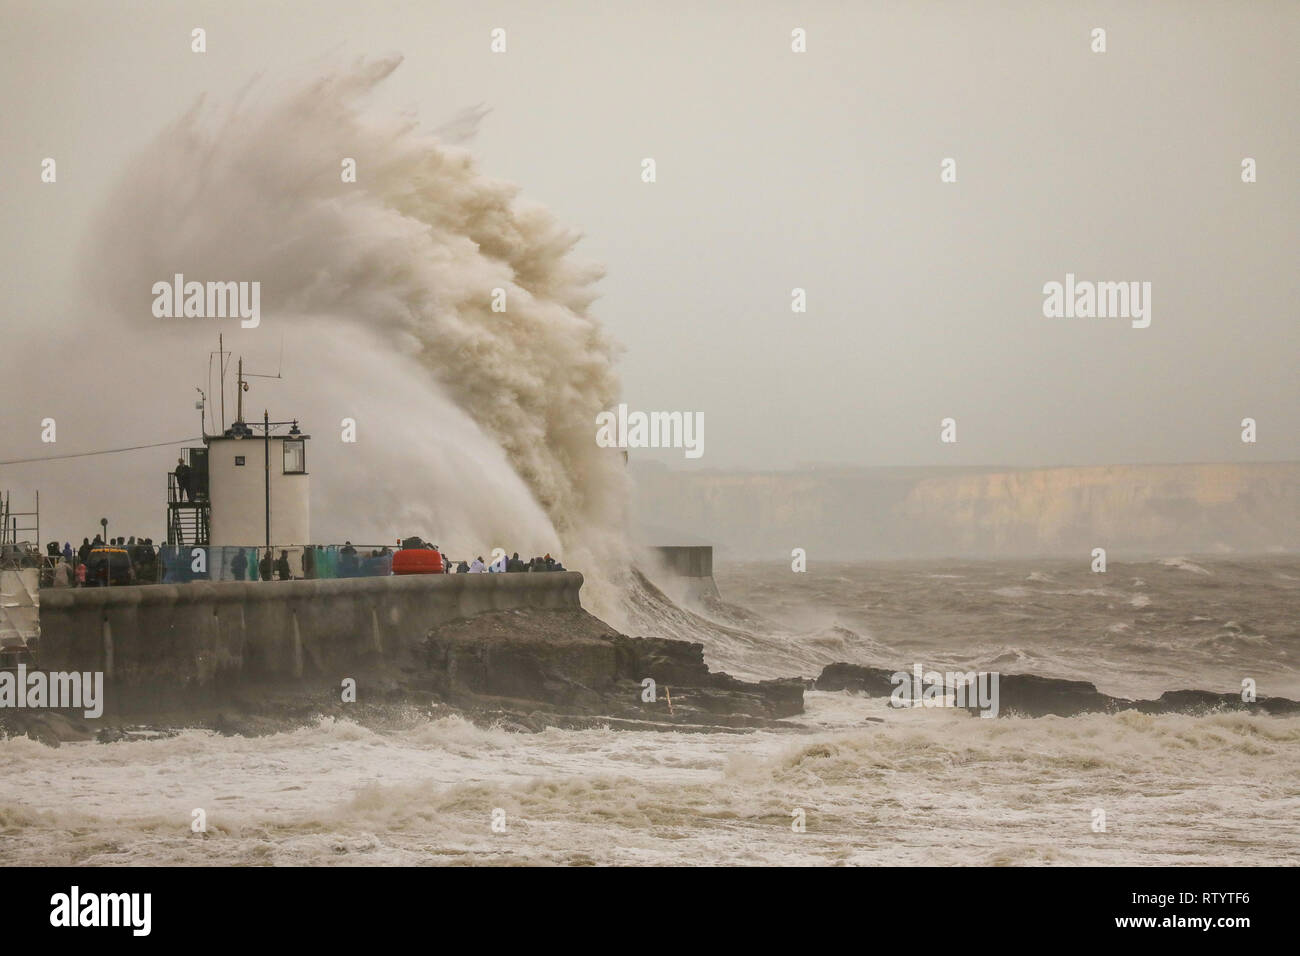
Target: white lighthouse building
pixel 247 487
pixel 258 486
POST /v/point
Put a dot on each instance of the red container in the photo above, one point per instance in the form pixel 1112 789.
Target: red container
pixel 417 561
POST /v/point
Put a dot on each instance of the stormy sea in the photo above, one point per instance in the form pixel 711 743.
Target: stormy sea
pixel 853 780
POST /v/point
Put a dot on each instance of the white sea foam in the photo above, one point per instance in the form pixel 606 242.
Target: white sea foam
pixel 1182 564
pixel 917 787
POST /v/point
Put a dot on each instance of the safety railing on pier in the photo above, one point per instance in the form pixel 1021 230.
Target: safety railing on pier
pixel 205 563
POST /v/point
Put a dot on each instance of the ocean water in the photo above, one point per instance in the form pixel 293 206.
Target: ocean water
pixel 1135 631
pixel 872 785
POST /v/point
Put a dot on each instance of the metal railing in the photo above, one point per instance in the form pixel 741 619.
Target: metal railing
pixel 212 563
pixel 178 564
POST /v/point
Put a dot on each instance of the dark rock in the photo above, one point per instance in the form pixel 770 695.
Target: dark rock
pixel 1028 695
pixel 871 681
pixel 570 662
pixel 1203 701
pixel 50 727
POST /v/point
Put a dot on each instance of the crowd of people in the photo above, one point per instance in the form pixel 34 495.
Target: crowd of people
pixel 352 563
pixel 267 569
pixel 122 560
pixel 500 565
pixel 128 560
pixel 511 565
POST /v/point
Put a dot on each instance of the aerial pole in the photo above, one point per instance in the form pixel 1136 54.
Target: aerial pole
pixel 266 444
pixel 221 365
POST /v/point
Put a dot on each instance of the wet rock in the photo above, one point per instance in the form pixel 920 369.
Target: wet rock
pixel 1202 701
pixel 572 663
pixel 871 681
pixel 1028 695
pixel 50 727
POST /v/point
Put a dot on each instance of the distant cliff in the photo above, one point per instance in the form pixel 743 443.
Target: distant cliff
pixel 978 512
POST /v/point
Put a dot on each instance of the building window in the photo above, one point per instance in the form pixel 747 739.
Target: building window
pixel 239 460
pixel 295 458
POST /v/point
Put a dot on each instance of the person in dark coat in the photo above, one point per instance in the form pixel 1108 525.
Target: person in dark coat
pixel 150 561
pixel 239 564
pixel 83 552
pixel 282 566
pixel 183 481
pixel 349 564
pixel 266 566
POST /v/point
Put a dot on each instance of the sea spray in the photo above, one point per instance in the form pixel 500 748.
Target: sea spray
pixel 475 423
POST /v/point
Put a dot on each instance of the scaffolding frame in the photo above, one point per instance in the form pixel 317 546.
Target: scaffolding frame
pixel 10 527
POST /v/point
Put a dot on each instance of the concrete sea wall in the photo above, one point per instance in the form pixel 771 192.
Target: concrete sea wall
pixel 687 561
pixel 197 643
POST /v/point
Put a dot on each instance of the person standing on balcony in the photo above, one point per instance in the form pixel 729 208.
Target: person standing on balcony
pixel 183 479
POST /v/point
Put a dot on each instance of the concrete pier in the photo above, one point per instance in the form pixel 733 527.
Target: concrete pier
pixel 188 644
pixel 685 571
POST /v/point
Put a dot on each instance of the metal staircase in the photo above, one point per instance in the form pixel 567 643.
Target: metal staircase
pixel 187 520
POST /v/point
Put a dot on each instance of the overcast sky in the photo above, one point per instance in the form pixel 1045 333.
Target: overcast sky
pixel 777 170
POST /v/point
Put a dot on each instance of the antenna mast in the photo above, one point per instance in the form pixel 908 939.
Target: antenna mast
pixel 221 363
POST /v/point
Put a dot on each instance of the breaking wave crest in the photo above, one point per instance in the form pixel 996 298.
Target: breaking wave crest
pixel 742 643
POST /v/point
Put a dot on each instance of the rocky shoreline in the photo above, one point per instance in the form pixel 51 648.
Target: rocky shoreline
pixel 1027 695
pixel 525 669
pixel 528 669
